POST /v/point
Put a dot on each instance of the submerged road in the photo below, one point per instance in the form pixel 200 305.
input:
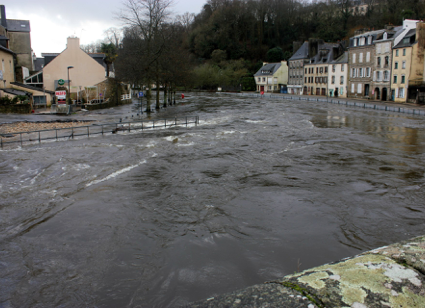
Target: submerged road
pixel 261 188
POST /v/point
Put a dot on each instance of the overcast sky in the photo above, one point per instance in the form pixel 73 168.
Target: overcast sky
pixel 53 21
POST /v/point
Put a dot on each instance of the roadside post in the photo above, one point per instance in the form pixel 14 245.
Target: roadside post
pixel 141 100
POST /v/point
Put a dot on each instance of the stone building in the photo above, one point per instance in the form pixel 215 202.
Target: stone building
pixel 296 69
pixel 316 72
pixel 361 62
pixel 18 33
pixel 381 88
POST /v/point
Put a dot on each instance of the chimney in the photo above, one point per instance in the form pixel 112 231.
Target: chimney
pixel 3 16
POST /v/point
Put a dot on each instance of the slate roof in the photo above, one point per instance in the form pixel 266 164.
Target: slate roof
pixel 6 50
pixel 98 57
pixel 410 35
pixel 328 58
pixel 15 92
pixel 342 59
pixel 22 85
pixel 372 33
pixel 301 53
pixel 268 69
pixel 16 25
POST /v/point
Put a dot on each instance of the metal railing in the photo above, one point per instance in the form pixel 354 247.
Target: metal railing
pixel 94 129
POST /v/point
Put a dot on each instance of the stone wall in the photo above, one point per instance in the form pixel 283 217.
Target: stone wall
pixel 391 276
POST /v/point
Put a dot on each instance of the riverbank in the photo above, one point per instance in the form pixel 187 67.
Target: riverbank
pixel 16 127
pixel 391 276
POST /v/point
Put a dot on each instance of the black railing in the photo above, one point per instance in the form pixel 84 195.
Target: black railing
pixel 94 129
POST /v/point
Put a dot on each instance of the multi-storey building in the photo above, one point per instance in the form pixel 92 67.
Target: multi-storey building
pixel 271 77
pixel 361 62
pixel 338 69
pixel 296 69
pixel 383 59
pixel 316 72
pixel 408 65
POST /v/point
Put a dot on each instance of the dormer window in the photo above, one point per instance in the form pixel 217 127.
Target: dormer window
pixel 355 42
pixel 369 40
pixel 385 36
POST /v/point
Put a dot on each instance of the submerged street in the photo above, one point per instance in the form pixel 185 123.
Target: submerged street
pixel 261 188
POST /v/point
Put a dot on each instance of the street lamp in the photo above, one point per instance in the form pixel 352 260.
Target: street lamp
pixel 69 82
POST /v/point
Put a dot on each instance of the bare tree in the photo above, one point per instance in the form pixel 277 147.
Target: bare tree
pixel 148 17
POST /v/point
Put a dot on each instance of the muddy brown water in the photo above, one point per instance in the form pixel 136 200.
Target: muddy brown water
pixel 261 188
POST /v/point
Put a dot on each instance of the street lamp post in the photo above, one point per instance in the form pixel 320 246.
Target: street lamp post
pixel 69 82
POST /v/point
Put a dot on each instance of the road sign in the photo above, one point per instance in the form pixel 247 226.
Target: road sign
pixel 61 82
pixel 140 94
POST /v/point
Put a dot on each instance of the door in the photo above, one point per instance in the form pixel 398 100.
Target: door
pixel 384 94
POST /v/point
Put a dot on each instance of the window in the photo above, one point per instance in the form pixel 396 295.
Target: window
pixel 321 70
pixel 342 67
pixel 396 53
pixel 401 92
pixel 403 64
pixel 404 51
pixel 326 69
pixel 369 40
pixel 264 79
pixel 361 72
pixel 259 79
pixel 355 42
pixel 396 65
pixel 378 76
pixel 403 79
pixel 354 58
pixel 385 36
pixel 333 68
pixel 359 88
pixel 386 75
pixel 387 61
pixel 305 71
pixel 305 79
pixel 333 79
pixel 341 91
pixel 395 79
pixel 361 57
pixel 378 61
pixel 368 56
pixel 368 71
pixel 362 41
pixel 353 72
pixel 317 70
pixel 378 48
pixel 352 88
pixel 341 80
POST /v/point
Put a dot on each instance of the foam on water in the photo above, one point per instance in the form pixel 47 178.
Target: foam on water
pixel 116 173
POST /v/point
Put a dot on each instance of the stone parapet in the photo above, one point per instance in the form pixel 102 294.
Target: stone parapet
pixel 391 276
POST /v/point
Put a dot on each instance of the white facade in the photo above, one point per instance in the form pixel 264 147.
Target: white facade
pixel 337 81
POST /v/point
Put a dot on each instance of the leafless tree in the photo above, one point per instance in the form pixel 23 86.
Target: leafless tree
pixel 147 18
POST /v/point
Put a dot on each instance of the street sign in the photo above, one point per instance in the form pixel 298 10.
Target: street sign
pixel 61 82
pixel 60 94
pixel 140 94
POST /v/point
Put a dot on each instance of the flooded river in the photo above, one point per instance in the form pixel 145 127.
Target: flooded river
pixel 261 188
